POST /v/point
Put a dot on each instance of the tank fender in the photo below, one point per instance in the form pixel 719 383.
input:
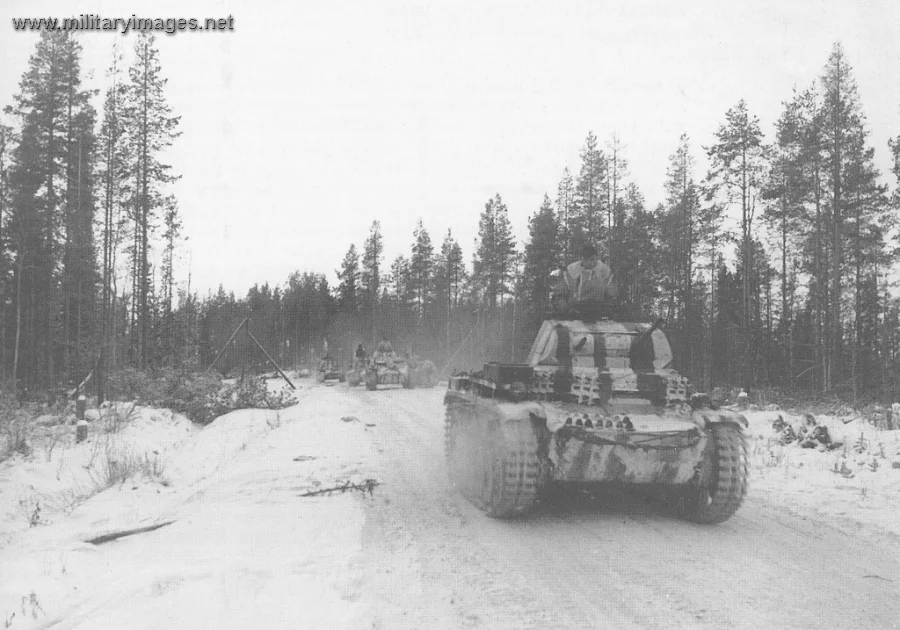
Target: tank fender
pixel 520 412
pixel 704 418
pixel 452 395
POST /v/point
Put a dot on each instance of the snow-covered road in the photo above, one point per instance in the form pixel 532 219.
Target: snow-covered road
pixel 607 563
pixel 245 550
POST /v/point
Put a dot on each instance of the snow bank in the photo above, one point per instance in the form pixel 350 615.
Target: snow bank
pixel 854 485
pixel 243 548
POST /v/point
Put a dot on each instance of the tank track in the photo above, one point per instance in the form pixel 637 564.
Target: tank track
pixel 494 464
pixel 720 497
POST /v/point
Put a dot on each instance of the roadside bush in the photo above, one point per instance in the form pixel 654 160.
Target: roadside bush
pixel 132 384
pixel 251 393
pixel 118 416
pixel 16 424
pixel 196 395
pixel 118 465
pixel 200 397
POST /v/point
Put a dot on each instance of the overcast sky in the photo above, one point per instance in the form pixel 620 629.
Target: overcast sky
pixel 311 119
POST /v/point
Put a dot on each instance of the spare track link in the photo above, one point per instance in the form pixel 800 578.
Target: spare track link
pixel 499 468
pixel 728 478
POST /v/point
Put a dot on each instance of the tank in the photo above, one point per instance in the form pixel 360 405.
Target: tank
pixel 329 370
pixel 387 369
pixel 597 403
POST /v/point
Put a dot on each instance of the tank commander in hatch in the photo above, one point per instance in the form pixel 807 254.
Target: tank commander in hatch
pixel 589 281
pixel 360 357
pixel 384 351
pixel 384 346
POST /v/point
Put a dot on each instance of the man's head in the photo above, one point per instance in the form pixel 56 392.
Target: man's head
pixel 588 255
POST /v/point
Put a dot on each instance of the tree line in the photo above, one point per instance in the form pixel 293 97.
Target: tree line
pixel 773 268
pixel 83 202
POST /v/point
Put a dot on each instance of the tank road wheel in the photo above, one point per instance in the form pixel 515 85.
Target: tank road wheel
pixel 371 380
pixel 723 478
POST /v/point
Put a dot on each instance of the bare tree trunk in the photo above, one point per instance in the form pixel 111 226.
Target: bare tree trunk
pixel 836 224
pixel 15 370
pixel 48 306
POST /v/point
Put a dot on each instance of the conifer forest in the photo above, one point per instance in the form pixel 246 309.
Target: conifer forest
pixel 776 267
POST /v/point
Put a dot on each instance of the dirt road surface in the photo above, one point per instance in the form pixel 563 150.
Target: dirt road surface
pixel 609 561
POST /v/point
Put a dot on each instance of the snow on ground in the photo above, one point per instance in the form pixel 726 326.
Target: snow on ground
pixel 851 486
pixel 243 548
pixel 239 547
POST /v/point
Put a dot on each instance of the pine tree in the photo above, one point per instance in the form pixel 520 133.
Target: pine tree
pixel 50 206
pixel 421 270
pixel 450 276
pixel 566 212
pixel 541 255
pixel 370 277
pixel 639 266
pixel 172 224
pixel 151 128
pixel 348 289
pixel 856 202
pixel 617 171
pixel 590 192
pixel 816 246
pixel 682 204
pixel 738 162
pixel 78 279
pixel 400 293
pixel 785 192
pixel 110 165
pixel 894 146
pixel 494 253
pixel 6 144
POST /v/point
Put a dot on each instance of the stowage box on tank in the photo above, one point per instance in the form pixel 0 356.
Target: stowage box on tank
pixel 596 403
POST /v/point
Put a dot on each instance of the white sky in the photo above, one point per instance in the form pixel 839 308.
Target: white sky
pixel 311 119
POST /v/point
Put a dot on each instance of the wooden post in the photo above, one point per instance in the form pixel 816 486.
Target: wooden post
pixel 81 427
pixel 227 343
pixel 271 360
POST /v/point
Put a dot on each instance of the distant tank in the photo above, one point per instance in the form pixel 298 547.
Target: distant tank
pixel 387 369
pixel 596 404
pixel 329 370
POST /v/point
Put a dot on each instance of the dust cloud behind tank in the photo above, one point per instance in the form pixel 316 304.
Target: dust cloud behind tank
pixel 596 403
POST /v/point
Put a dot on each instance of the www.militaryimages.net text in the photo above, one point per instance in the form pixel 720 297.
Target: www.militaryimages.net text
pixel 94 22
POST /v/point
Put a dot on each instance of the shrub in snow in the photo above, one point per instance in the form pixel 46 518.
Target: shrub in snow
pixel 117 464
pixel 200 397
pixel 16 424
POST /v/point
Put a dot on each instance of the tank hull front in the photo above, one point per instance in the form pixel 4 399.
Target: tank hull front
pixel 592 457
